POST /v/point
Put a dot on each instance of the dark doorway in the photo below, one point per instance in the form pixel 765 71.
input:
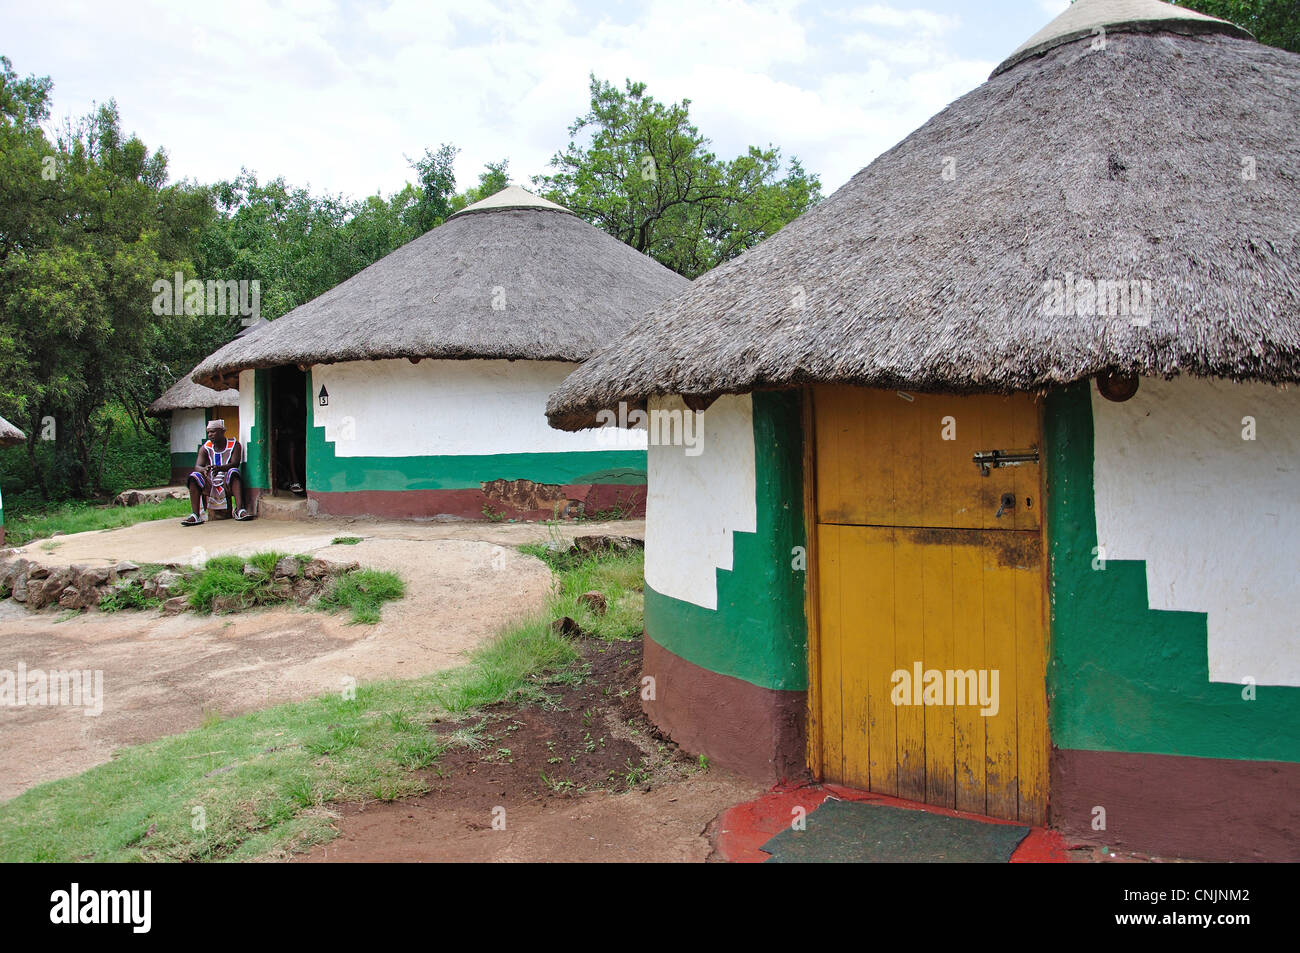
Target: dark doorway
pixel 288 470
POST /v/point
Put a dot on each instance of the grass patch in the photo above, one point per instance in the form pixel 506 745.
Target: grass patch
pixel 345 540
pixel 255 785
pixel 363 593
pixel 84 517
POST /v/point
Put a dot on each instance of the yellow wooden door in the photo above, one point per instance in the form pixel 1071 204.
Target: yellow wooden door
pixel 931 646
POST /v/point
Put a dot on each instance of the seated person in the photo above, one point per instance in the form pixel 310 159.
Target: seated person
pixel 216 482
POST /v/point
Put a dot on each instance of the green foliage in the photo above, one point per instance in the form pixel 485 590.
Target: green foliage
pixel 21 527
pixel 363 592
pixel 281 762
pixel 645 175
pixel 345 540
pixel 128 597
pixel 87 224
pixel 1275 22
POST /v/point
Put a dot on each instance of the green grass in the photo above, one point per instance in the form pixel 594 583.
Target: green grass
pixel 84 517
pixel 260 782
pixel 345 540
pixel 363 593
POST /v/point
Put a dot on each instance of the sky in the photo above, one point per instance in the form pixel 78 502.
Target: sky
pixel 339 96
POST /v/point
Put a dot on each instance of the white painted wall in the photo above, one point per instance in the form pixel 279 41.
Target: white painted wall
pixel 189 429
pixel 452 408
pixel 696 503
pixel 1215 517
pixel 246 405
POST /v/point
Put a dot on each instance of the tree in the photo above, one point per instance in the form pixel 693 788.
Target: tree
pixel 437 188
pixel 87 224
pixel 646 175
pixel 494 177
pixel 1275 22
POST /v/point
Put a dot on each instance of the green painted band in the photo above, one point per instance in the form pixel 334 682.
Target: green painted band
pixel 758 633
pixel 1123 676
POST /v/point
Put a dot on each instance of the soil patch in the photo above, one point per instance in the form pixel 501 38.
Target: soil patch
pixel 584 776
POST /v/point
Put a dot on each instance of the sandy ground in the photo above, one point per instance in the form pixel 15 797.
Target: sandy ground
pixel 161 674
pixel 668 824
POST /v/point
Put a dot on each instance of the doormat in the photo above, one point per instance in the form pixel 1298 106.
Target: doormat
pixel 853 832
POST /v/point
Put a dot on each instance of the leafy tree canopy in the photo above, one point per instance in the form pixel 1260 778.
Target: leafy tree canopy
pixel 640 170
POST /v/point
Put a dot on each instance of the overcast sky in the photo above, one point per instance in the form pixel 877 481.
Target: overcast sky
pixel 336 95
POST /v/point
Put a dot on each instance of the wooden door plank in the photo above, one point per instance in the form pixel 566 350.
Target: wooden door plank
pixel 1031 688
pixel 936 560
pixel 968 654
pixel 909 648
pixel 1002 793
pixel 831 575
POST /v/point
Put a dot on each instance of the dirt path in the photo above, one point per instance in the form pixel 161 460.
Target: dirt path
pixel 586 778
pixel 161 674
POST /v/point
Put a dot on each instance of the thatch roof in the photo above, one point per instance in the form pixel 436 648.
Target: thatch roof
pixel 9 434
pixel 1126 163
pixel 185 394
pixel 561 289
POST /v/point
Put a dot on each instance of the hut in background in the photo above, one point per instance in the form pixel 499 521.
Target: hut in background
pixel 418 387
pixel 9 436
pixel 190 406
pixel 1083 279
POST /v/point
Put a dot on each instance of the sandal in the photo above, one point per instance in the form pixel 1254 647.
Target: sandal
pixel 191 520
pixel 241 514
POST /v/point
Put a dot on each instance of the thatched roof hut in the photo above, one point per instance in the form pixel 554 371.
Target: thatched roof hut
pixel 1130 142
pixel 185 394
pixel 465 290
pixel 9 434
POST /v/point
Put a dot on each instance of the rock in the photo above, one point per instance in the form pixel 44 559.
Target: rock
pixel 342 569
pixel 11 571
pixel 71 598
pixel 166 583
pixel 37 572
pixel 223 604
pixel 595 601
pixel 606 544
pixel 252 572
pixel 19 593
pixel 287 568
pixel 148 588
pixel 125 568
pixel 566 627
pixel 284 589
pixel 317 569
pixel 54 584
pixel 57 532
pixel 176 605
pixel 304 590
pixel 91 576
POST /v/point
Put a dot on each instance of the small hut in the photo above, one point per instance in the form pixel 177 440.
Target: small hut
pixel 996 507
pixel 190 406
pixel 9 436
pixel 418 387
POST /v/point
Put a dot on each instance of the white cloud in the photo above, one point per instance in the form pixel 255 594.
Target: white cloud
pixel 335 94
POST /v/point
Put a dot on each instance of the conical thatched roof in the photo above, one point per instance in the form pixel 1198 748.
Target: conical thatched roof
pixel 1162 156
pixel 185 394
pixel 513 276
pixel 9 434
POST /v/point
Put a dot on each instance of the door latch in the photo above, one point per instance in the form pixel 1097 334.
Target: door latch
pixel 987 459
pixel 1008 503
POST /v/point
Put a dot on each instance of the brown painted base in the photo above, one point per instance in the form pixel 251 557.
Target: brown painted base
pixel 1199 808
pixel 757 732
pixel 180 475
pixel 474 504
